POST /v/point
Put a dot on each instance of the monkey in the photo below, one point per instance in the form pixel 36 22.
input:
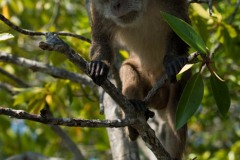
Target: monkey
pixel 154 49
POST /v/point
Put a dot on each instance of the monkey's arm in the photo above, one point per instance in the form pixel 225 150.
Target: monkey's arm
pixel 101 52
pixel 175 57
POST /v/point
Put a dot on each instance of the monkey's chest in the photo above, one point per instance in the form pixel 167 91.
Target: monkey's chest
pixel 147 48
pixel 145 41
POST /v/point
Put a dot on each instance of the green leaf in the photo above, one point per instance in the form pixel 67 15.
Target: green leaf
pixel 5 36
pixel 185 32
pixel 231 30
pixel 27 94
pixel 221 94
pixel 190 100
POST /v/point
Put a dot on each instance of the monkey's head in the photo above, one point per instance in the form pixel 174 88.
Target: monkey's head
pixel 122 12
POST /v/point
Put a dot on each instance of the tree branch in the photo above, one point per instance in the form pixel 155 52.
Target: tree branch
pixel 54 43
pixel 34 33
pixel 233 15
pixel 38 66
pixel 163 80
pixel 230 21
pixel 68 142
pixel 7 88
pixel 70 122
pixel 57 129
pixel 14 78
pixel 198 1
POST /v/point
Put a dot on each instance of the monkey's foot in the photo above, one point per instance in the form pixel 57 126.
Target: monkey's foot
pixel 140 107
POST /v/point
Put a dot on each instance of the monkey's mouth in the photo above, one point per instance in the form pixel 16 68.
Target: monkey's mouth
pixel 129 17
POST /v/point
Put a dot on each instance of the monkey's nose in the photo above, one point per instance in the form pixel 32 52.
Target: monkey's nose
pixel 116 6
pixel 119 8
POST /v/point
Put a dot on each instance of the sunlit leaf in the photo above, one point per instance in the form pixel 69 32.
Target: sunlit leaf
pixel 35 104
pixel 124 53
pixel 185 68
pixel 231 30
pixel 185 32
pixel 202 12
pixel 221 94
pixel 27 94
pixel 5 36
pixel 190 100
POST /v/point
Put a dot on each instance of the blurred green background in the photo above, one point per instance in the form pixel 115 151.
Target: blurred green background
pixel 211 137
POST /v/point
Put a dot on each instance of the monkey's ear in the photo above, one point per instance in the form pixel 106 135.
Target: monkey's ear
pixel 98 71
pixel 173 65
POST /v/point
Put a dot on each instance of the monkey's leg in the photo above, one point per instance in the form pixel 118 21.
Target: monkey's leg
pixel 133 87
pixel 175 139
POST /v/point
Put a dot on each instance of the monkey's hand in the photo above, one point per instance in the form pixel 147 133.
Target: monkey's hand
pixel 173 65
pixel 140 107
pixel 98 71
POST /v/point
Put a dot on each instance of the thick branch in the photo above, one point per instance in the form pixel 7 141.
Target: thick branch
pixel 71 122
pixel 53 42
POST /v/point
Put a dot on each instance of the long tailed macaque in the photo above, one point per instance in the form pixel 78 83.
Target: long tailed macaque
pixel 154 49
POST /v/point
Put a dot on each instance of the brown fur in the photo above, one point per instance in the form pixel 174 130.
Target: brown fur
pixel 148 39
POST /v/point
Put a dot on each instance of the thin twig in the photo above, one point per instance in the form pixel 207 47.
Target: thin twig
pixel 73 35
pixel 71 122
pixel 233 15
pixel 163 80
pixel 20 30
pixel 57 129
pixel 13 77
pixel 68 142
pixel 7 88
pixel 55 14
pixel 34 33
pixel 197 1
pixel 218 45
pixel 38 66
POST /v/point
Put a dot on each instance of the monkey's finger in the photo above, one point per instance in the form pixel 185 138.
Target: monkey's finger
pixel 102 71
pixel 92 71
pixel 98 66
pixel 170 70
pixel 91 68
pixel 176 67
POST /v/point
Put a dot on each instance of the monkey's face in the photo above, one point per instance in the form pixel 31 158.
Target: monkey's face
pixel 122 12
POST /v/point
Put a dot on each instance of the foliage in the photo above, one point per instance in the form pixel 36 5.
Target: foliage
pixel 211 135
pixel 193 92
pixel 65 99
